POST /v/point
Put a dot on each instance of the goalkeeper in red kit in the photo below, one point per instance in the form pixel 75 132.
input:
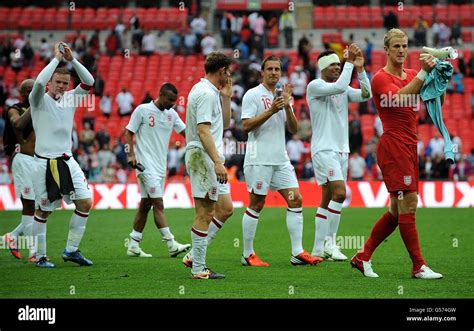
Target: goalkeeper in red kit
pixel 396 96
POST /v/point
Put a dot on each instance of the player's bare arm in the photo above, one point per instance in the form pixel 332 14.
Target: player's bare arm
pixel 226 94
pixel 183 133
pixel 204 133
pixel 131 159
pixel 291 121
pixel 19 122
pixel 255 122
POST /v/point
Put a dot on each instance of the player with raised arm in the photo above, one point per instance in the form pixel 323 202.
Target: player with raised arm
pixel 393 87
pixel 19 143
pixel 208 114
pixel 152 124
pixel 328 99
pixel 265 115
pixel 58 176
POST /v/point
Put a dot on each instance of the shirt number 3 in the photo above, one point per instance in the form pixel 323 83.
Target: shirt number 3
pixel 151 121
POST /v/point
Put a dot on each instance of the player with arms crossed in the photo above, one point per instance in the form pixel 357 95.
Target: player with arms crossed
pixel 208 114
pixel 328 99
pixel 19 143
pixel 397 154
pixel 265 116
pixel 152 124
pixel 58 176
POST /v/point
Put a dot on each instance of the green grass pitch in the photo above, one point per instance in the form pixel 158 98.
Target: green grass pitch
pixel 446 237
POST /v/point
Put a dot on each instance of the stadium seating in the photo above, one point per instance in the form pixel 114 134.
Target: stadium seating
pixel 340 17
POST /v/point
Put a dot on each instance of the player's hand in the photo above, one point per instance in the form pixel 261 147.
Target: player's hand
pixel 278 104
pixel 352 52
pixel 226 90
pixel 429 62
pixel 57 54
pixel 67 52
pixel 287 94
pixel 221 172
pixel 132 161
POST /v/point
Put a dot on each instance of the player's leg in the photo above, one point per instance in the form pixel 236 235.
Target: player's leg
pixel 338 195
pixel 82 199
pixel 406 222
pixel 381 230
pixel 321 222
pixel 174 247
pixel 285 182
pixel 137 231
pixel 223 210
pixel 294 223
pixel 258 180
pixel 249 229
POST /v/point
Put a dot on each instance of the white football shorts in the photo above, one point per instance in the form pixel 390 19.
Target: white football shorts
pixel 330 166
pixel 260 178
pixel 23 169
pixel 151 185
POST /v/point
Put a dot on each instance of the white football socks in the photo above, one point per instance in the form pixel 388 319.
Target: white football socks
pixel 322 227
pixel 214 227
pixel 294 222
pixel 167 236
pixel 77 227
pixel 334 216
pixel 249 228
pixel 39 232
pixel 199 241
pixel 135 238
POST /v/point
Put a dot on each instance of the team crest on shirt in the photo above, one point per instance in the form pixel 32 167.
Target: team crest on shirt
pixel 26 190
pixel 213 190
pixel 259 185
pixel 170 118
pixel 331 172
pixel 44 202
pixel 407 180
pixel 152 189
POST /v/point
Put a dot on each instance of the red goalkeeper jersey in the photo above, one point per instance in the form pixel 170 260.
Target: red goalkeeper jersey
pixel 398 118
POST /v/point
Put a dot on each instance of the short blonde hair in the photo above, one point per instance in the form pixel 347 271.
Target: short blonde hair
pixel 393 33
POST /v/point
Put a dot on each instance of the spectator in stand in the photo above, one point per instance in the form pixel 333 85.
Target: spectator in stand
pixel 111 43
pixel 3 92
pixel 368 51
pixel 456 140
pixel 106 105
pixel 419 147
pixel 125 102
pixel 441 167
pixel 299 81
pixel 295 148
pixel 102 137
pixel 245 34
pixel 455 38
pixel 470 65
pixel 208 44
pixel 357 166
pixel 287 25
pixel 95 171
pixel 436 145
pixel 121 175
pixel 175 156
pixel 12 98
pixel 272 32
pixel 5 177
pixel 94 41
pixel 28 54
pixel 236 24
pixel 371 157
pixel 16 60
pixel 106 157
pixel 89 60
pixel 470 160
pixel 75 140
pixel 190 42
pixel 176 42
pixel 45 51
pixel 225 25
pixel 456 84
pixel 355 133
pixel 87 136
pixel 119 32
pixel 304 124
pixel 304 48
pixel 148 43
pixel 244 50
pixel 99 86
pixel 427 171
pixel 419 29
pixel 83 160
pixel 308 170
pixel 120 154
pixel 198 26
pixel 443 35
pixel 462 170
pixel 390 21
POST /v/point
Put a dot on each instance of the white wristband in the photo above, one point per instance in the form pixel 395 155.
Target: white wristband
pixel 422 75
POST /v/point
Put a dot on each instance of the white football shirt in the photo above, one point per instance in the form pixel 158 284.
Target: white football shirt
pixel 266 144
pixel 204 106
pixel 152 127
pixel 328 104
pixel 53 121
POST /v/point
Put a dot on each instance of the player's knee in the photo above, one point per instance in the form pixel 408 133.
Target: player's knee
pixel 42 214
pixel 257 206
pixel 226 213
pixel 339 195
pixel 296 202
pixel 84 205
pixel 145 205
pixel 157 204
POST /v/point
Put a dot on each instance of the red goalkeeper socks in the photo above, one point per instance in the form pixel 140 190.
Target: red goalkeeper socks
pixel 409 235
pixel 381 230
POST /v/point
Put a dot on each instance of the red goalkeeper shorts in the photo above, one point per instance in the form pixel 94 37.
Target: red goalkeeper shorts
pixel 399 164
